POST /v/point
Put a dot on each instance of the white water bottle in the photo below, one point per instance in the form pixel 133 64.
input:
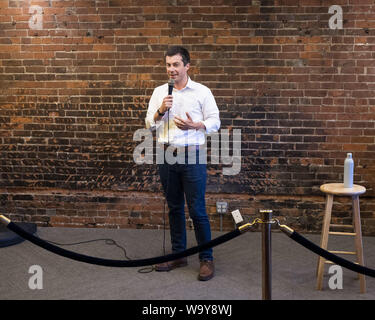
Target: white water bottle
pixel 348 171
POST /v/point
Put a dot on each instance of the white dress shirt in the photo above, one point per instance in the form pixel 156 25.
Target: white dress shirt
pixel 195 99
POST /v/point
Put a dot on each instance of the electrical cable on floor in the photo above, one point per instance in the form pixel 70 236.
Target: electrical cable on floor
pixel 108 242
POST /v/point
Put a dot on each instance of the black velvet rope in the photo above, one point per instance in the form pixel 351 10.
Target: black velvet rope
pixel 121 263
pixel 330 256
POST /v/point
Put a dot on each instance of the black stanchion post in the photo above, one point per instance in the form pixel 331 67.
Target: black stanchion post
pixel 266 216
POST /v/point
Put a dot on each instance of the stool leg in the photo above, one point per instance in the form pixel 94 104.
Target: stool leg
pixel 324 240
pixel 358 240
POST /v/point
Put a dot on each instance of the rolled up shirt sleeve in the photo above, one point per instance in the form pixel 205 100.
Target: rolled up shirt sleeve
pixel 153 106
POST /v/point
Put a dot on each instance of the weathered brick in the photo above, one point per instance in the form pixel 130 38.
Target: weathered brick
pixel 74 93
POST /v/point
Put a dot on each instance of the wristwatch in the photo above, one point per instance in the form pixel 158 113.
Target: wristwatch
pixel 161 114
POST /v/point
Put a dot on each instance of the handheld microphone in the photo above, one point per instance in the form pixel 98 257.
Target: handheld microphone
pixel 170 89
pixel 170 86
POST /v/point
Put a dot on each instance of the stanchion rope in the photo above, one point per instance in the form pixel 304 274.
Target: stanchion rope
pixel 117 263
pixel 173 256
pixel 324 253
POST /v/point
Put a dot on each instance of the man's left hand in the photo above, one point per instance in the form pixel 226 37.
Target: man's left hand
pixel 187 124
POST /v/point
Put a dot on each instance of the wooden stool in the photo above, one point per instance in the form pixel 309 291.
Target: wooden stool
pixel 331 189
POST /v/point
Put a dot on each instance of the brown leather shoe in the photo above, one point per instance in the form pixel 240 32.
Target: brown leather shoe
pixel 206 271
pixel 170 265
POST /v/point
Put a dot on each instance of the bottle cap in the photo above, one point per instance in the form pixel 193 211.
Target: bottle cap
pixel 348 155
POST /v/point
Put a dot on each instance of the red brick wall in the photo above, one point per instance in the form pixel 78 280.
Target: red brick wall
pixel 74 91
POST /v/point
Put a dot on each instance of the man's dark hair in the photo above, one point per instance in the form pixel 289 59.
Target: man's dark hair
pixel 183 52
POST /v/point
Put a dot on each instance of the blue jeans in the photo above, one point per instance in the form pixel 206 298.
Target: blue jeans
pixel 179 180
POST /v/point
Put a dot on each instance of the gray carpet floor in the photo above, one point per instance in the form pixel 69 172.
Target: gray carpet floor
pixel 238 269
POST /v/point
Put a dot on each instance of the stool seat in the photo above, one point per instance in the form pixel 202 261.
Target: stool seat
pixel 339 189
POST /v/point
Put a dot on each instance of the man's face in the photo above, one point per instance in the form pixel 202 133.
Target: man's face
pixel 176 69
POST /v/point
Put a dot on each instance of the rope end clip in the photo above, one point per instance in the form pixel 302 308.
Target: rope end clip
pixel 4 220
pixel 287 230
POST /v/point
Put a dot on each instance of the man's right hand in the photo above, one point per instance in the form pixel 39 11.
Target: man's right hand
pixel 167 104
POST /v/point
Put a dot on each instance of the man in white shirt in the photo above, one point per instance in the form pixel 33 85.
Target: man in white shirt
pixel 181 120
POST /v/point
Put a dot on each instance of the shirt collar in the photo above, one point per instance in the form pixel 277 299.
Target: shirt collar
pixel 190 83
